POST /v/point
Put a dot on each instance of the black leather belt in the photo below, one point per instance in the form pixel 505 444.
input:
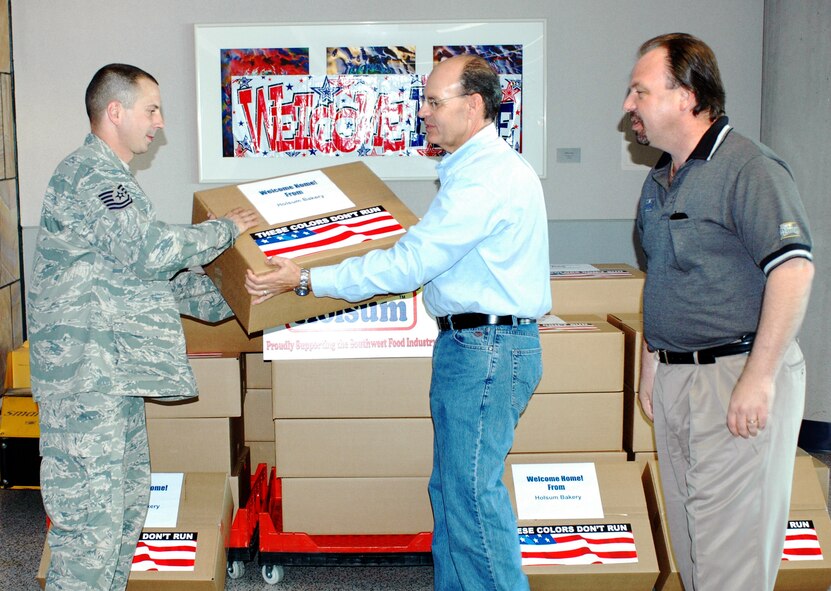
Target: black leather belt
pixel 473 319
pixel 706 356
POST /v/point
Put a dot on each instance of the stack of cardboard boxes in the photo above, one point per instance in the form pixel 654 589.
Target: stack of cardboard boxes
pixel 257 410
pixel 576 415
pixel 354 445
pixel 638 435
pixel 205 434
pixel 352 440
pixel 578 405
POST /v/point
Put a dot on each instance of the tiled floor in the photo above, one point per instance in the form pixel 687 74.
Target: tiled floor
pixel 22 531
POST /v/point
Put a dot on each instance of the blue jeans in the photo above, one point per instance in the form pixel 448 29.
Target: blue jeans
pixel 482 381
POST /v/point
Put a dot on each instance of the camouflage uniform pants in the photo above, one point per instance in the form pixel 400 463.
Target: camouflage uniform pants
pixel 95 483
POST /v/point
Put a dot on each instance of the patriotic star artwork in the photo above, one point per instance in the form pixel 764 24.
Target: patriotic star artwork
pixel 277 116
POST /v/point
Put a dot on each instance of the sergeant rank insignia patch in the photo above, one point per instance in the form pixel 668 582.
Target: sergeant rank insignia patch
pixel 117 198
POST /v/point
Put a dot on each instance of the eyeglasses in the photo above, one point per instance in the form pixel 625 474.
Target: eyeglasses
pixel 436 103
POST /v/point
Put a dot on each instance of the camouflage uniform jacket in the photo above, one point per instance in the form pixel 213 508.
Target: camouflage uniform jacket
pixel 106 288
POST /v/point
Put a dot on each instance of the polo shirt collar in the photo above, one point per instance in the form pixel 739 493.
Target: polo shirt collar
pixel 707 145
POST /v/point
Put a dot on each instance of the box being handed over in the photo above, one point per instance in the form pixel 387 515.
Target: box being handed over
pixel 317 218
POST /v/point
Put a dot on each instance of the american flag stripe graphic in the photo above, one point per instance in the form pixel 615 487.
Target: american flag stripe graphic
pixel 599 547
pixel 318 237
pixel 801 542
pixel 170 555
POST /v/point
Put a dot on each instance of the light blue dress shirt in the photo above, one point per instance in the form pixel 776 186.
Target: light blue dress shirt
pixel 481 247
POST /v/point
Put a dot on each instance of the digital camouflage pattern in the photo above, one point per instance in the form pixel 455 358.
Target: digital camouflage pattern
pixel 95 484
pixel 107 287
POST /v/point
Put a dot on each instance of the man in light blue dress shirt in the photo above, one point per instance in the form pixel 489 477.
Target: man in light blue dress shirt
pixel 481 255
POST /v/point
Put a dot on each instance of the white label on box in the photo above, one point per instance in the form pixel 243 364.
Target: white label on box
pixel 163 507
pixel 395 327
pixel 295 196
pixel 557 491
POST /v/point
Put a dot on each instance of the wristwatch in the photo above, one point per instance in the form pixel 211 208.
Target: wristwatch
pixel 303 288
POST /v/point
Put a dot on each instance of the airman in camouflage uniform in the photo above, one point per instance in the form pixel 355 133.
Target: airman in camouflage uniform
pixel 106 293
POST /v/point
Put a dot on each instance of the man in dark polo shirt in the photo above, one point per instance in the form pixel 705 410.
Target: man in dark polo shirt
pixel 729 273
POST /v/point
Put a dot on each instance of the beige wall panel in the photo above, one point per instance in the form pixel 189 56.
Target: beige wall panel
pixel 9 152
pixel 9 237
pixel 6 340
pixel 5 40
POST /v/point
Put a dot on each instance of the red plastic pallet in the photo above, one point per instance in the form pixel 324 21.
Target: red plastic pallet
pixel 242 541
pixel 278 548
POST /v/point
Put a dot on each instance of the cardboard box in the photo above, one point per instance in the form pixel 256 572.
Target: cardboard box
pixel 262 452
pixel 668 578
pixel 205 508
pixel 354 447
pixel 195 444
pixel 219 383
pixel 342 388
pixel 641 458
pixel 359 184
pixel 354 506
pixel 256 371
pixel 562 457
pixel 807 504
pixel 582 361
pixel 623 502
pixel 601 294
pixel 240 479
pixel 638 432
pixel 257 411
pixel 226 337
pixel 822 469
pixel 571 422
pixel 19 440
pixel 631 325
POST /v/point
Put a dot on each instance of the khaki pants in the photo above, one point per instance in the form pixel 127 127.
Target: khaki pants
pixel 95 484
pixel 727 498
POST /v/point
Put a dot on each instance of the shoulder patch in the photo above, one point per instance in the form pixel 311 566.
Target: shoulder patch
pixel 117 198
pixel 789 230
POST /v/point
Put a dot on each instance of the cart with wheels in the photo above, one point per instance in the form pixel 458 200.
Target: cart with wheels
pixel 278 549
pixel 243 540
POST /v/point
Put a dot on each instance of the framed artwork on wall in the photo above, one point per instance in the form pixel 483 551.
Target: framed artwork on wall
pixel 275 99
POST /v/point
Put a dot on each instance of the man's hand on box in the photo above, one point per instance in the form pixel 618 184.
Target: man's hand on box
pixel 284 276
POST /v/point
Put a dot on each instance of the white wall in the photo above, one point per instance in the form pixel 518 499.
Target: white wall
pixel 591 47
pixel 797 125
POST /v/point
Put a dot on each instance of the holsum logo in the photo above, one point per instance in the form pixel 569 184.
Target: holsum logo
pixel 399 313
